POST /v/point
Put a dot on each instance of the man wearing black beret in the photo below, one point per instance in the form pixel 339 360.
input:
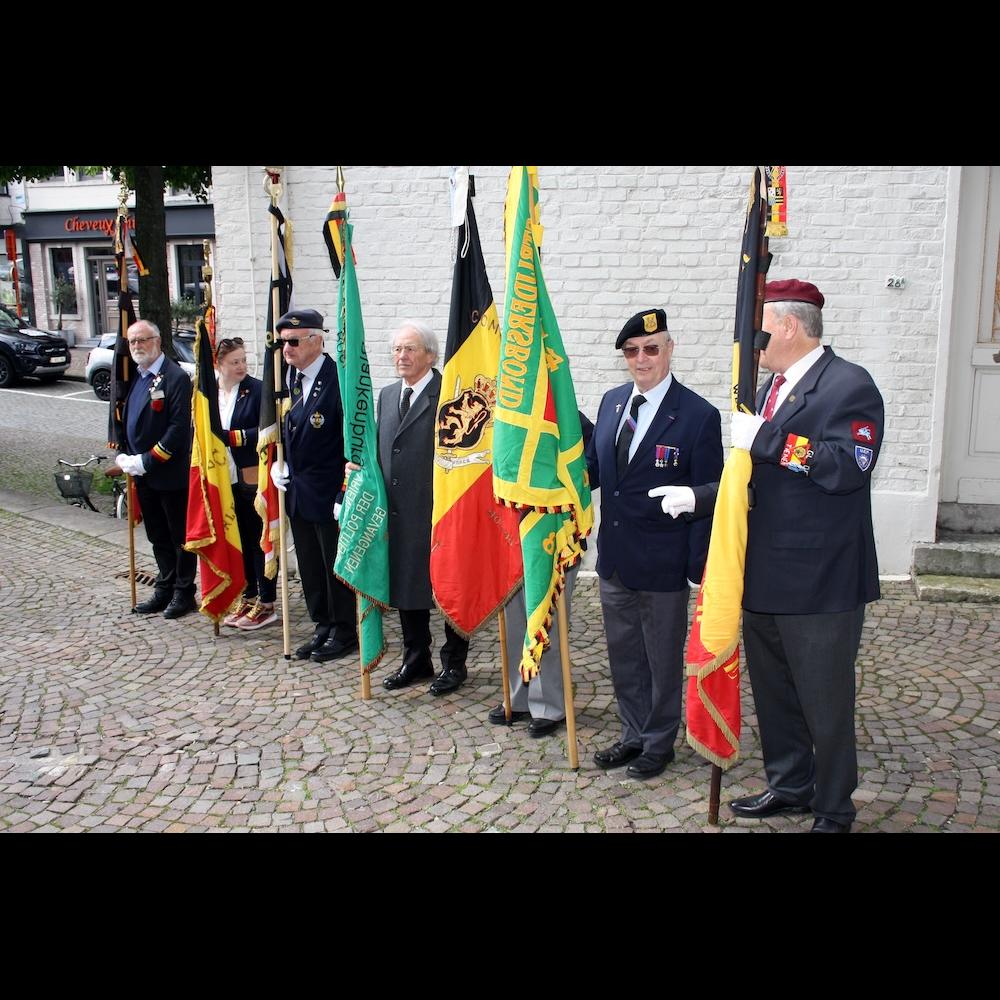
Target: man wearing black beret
pixel 312 476
pixel 810 560
pixel 650 432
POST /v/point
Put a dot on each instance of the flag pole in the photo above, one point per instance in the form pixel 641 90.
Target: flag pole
pixel 366 680
pixel 272 184
pixel 129 505
pixel 505 666
pixel 574 759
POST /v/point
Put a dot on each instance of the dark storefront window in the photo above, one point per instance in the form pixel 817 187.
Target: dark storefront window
pixel 190 261
pixel 62 269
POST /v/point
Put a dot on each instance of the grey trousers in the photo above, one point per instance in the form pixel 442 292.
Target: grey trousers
pixel 802 674
pixel 543 697
pixel 645 632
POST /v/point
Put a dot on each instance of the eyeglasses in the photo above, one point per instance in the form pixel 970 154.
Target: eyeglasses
pixel 230 342
pixel 134 342
pixel 295 341
pixel 408 349
pixel 650 350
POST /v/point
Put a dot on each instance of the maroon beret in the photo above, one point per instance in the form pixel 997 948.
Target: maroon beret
pixel 793 290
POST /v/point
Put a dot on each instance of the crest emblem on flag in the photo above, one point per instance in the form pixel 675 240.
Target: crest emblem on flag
pixel 462 420
pixel 863 456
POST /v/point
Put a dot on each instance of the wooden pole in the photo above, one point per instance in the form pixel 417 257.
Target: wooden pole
pixel 130 507
pixel 574 759
pixel 713 795
pixel 366 680
pixel 505 666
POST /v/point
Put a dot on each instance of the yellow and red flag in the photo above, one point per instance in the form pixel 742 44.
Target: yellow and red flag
pixel 212 531
pixel 538 461
pixel 713 652
pixel 475 547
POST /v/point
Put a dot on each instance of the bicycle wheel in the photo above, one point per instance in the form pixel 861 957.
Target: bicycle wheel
pixel 121 506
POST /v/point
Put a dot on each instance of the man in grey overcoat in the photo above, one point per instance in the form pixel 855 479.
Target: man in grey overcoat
pixel 407 416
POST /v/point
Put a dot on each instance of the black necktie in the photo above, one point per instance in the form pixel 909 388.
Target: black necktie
pixel 628 432
pixel 297 387
pixel 404 405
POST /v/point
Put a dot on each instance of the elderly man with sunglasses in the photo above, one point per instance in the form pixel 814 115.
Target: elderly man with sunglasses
pixel 312 475
pixel 651 432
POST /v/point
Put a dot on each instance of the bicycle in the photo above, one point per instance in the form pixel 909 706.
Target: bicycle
pixel 74 485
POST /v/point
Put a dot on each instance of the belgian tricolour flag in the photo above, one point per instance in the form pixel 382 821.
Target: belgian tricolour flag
pixel 212 531
pixel 475 546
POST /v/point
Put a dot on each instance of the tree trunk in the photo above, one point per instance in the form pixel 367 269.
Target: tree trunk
pixel 151 235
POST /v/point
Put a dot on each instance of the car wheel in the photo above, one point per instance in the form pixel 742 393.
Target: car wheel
pixel 102 384
pixel 8 374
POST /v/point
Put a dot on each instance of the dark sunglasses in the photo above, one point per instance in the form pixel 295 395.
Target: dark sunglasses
pixel 230 342
pixel 294 341
pixel 650 350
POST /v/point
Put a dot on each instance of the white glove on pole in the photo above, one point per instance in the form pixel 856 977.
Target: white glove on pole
pixel 676 500
pixel 279 475
pixel 744 428
pixel 131 465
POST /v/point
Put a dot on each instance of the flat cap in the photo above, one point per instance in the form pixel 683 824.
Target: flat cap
pixel 300 319
pixel 643 324
pixel 793 290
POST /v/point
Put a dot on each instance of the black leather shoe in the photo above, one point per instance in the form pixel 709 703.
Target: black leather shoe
pixel 617 756
pixel 179 607
pixel 498 717
pixel 450 679
pixel 406 675
pixel 765 804
pixel 649 765
pixel 308 648
pixel 824 825
pixel 334 649
pixel 156 603
pixel 543 727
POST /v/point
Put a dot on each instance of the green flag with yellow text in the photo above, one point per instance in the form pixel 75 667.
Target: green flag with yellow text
pixel 538 463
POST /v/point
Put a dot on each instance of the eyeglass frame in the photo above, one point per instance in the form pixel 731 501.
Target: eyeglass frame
pixel 295 341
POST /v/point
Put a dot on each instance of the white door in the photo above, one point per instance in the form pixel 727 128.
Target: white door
pixel 971 462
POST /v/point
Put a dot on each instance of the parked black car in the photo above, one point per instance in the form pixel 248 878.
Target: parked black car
pixel 27 351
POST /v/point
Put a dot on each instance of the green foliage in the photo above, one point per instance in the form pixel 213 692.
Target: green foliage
pixel 184 310
pixel 63 294
pixel 197 180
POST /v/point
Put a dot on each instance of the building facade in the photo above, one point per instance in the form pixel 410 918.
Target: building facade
pixel 905 255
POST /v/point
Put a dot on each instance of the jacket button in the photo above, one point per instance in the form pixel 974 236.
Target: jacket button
pixel 614 524
pixel 618 493
pixel 395 482
pixel 396 451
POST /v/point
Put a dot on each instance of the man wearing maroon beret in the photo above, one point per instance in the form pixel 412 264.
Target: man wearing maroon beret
pixel 810 560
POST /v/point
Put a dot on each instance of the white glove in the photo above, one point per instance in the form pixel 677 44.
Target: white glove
pixel 676 500
pixel 693 585
pixel 279 475
pixel 743 429
pixel 336 511
pixel 131 465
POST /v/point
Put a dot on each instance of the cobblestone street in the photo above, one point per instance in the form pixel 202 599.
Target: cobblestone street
pixel 110 721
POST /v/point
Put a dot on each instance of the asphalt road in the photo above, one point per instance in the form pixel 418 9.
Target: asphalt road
pixel 39 424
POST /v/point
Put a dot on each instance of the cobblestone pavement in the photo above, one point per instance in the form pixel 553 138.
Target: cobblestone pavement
pixel 112 722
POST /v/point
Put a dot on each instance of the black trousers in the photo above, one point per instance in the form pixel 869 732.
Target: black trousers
pixel 331 603
pixel 251 528
pixel 416 627
pixel 164 515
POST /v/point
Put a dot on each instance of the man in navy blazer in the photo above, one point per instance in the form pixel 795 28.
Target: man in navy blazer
pixel 810 560
pixel 312 476
pixel 650 432
pixel 157 428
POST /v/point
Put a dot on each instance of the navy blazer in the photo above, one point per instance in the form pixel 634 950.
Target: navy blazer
pixel 243 426
pixel 810 542
pixel 163 437
pixel 314 448
pixel 648 549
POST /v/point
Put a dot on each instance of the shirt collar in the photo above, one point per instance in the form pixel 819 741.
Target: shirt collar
pixel 794 373
pixel 154 368
pixel 656 394
pixel 312 369
pixel 418 387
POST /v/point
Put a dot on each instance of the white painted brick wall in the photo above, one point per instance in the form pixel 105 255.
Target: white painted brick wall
pixel 617 240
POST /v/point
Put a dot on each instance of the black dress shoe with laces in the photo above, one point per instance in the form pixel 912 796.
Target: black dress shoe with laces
pixel 308 648
pixel 334 649
pixel 616 756
pixel 180 606
pixel 824 825
pixel 649 765
pixel 156 603
pixel 406 675
pixel 498 717
pixel 450 679
pixel 765 804
pixel 538 728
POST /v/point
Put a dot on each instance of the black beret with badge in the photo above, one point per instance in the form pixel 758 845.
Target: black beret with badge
pixel 301 319
pixel 643 324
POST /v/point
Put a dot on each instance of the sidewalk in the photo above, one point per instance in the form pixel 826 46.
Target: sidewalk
pixel 110 721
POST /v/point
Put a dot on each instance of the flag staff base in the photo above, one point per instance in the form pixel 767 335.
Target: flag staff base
pixel 286 634
pixel 131 538
pixel 366 680
pixel 713 795
pixel 574 759
pixel 505 667
pixel 215 629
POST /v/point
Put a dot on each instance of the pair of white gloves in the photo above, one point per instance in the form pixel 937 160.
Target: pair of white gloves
pixel 131 465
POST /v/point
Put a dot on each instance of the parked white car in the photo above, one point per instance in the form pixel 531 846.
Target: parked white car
pixel 98 372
